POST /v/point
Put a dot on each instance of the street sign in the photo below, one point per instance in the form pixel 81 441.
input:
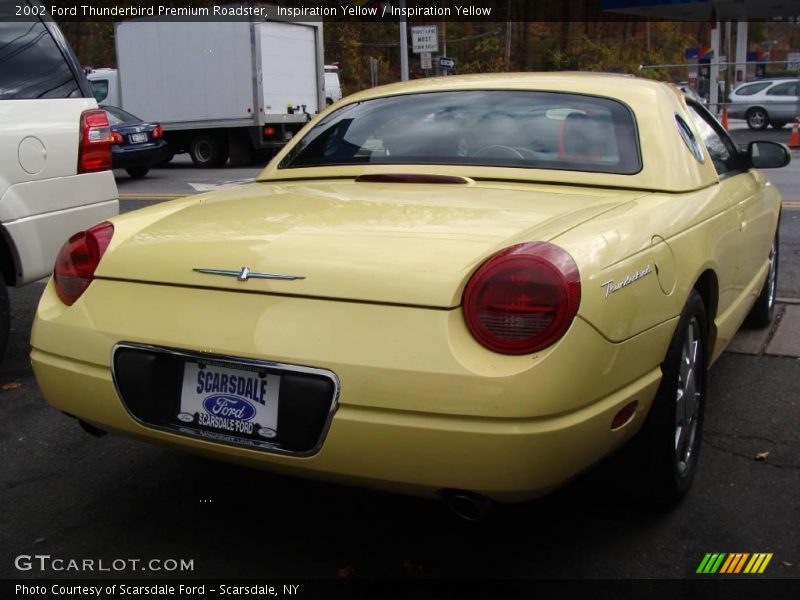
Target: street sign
pixel 793 61
pixel 447 63
pixel 425 60
pixel 425 39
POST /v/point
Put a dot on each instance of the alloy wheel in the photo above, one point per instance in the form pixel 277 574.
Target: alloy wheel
pixel 688 397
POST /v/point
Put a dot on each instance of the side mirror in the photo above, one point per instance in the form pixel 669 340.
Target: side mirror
pixel 768 155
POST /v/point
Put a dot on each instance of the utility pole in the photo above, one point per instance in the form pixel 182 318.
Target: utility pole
pixel 403 43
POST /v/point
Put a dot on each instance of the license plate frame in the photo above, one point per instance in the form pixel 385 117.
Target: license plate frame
pixel 137 138
pixel 229 400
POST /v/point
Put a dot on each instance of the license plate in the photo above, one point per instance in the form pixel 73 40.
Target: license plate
pixel 234 402
pixel 138 138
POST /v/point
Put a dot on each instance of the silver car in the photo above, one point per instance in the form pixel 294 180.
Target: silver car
pixel 766 102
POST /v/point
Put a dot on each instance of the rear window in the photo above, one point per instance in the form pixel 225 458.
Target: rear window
pixel 31 65
pixel 117 116
pixel 541 130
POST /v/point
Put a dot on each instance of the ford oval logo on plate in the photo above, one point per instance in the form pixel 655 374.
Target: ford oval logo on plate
pixel 229 407
pixel 186 417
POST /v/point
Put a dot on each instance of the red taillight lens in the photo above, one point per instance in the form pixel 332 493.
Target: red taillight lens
pixel 269 131
pixel 78 259
pixel 94 149
pixel 116 138
pixel 523 299
pixel 158 133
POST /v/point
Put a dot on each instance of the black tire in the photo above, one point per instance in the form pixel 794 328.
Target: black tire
pixel 672 432
pixel 5 318
pixel 208 151
pixel 757 119
pixel 137 172
pixel 763 310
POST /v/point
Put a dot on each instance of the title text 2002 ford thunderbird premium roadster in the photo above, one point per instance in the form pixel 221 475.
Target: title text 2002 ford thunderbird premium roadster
pixel 476 286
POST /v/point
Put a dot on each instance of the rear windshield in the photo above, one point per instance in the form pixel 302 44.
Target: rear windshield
pixel 117 116
pixel 31 65
pixel 541 130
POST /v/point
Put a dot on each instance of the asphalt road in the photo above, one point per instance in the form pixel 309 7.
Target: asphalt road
pixel 66 494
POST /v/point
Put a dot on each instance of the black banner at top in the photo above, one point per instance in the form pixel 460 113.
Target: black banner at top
pixel 413 11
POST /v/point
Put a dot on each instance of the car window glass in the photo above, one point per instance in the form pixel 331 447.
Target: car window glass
pixel 113 119
pixel 121 116
pixel 541 130
pixel 99 89
pixel 783 89
pixel 723 153
pixel 689 139
pixel 750 89
pixel 31 65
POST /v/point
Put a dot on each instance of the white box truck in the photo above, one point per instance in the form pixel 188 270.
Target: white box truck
pixel 218 89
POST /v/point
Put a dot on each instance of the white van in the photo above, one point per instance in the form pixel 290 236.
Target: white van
pixel 333 88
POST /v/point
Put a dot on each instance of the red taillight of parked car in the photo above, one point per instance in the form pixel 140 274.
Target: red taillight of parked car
pixel 116 138
pixel 158 133
pixel 523 299
pixel 94 150
pixel 78 259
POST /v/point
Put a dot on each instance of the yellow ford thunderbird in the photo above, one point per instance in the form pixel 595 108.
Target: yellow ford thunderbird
pixel 471 287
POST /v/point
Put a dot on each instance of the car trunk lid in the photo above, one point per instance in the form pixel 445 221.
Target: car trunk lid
pixel 409 244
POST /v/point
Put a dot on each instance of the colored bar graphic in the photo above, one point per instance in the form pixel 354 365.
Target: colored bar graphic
pixel 734 563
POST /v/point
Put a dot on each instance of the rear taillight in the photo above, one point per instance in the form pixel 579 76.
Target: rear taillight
pixel 78 259
pixel 94 149
pixel 116 138
pixel 523 299
pixel 158 133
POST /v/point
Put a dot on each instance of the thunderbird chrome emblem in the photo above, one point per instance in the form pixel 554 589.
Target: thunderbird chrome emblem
pixel 245 273
pixel 610 286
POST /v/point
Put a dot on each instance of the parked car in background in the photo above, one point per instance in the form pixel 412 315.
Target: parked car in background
pixel 55 152
pixel 767 102
pixel 467 287
pixel 137 145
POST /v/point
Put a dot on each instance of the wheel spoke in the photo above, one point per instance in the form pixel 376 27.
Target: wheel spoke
pixel 687 396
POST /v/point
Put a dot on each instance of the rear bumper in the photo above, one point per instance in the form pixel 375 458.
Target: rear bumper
pixel 414 413
pixel 139 156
